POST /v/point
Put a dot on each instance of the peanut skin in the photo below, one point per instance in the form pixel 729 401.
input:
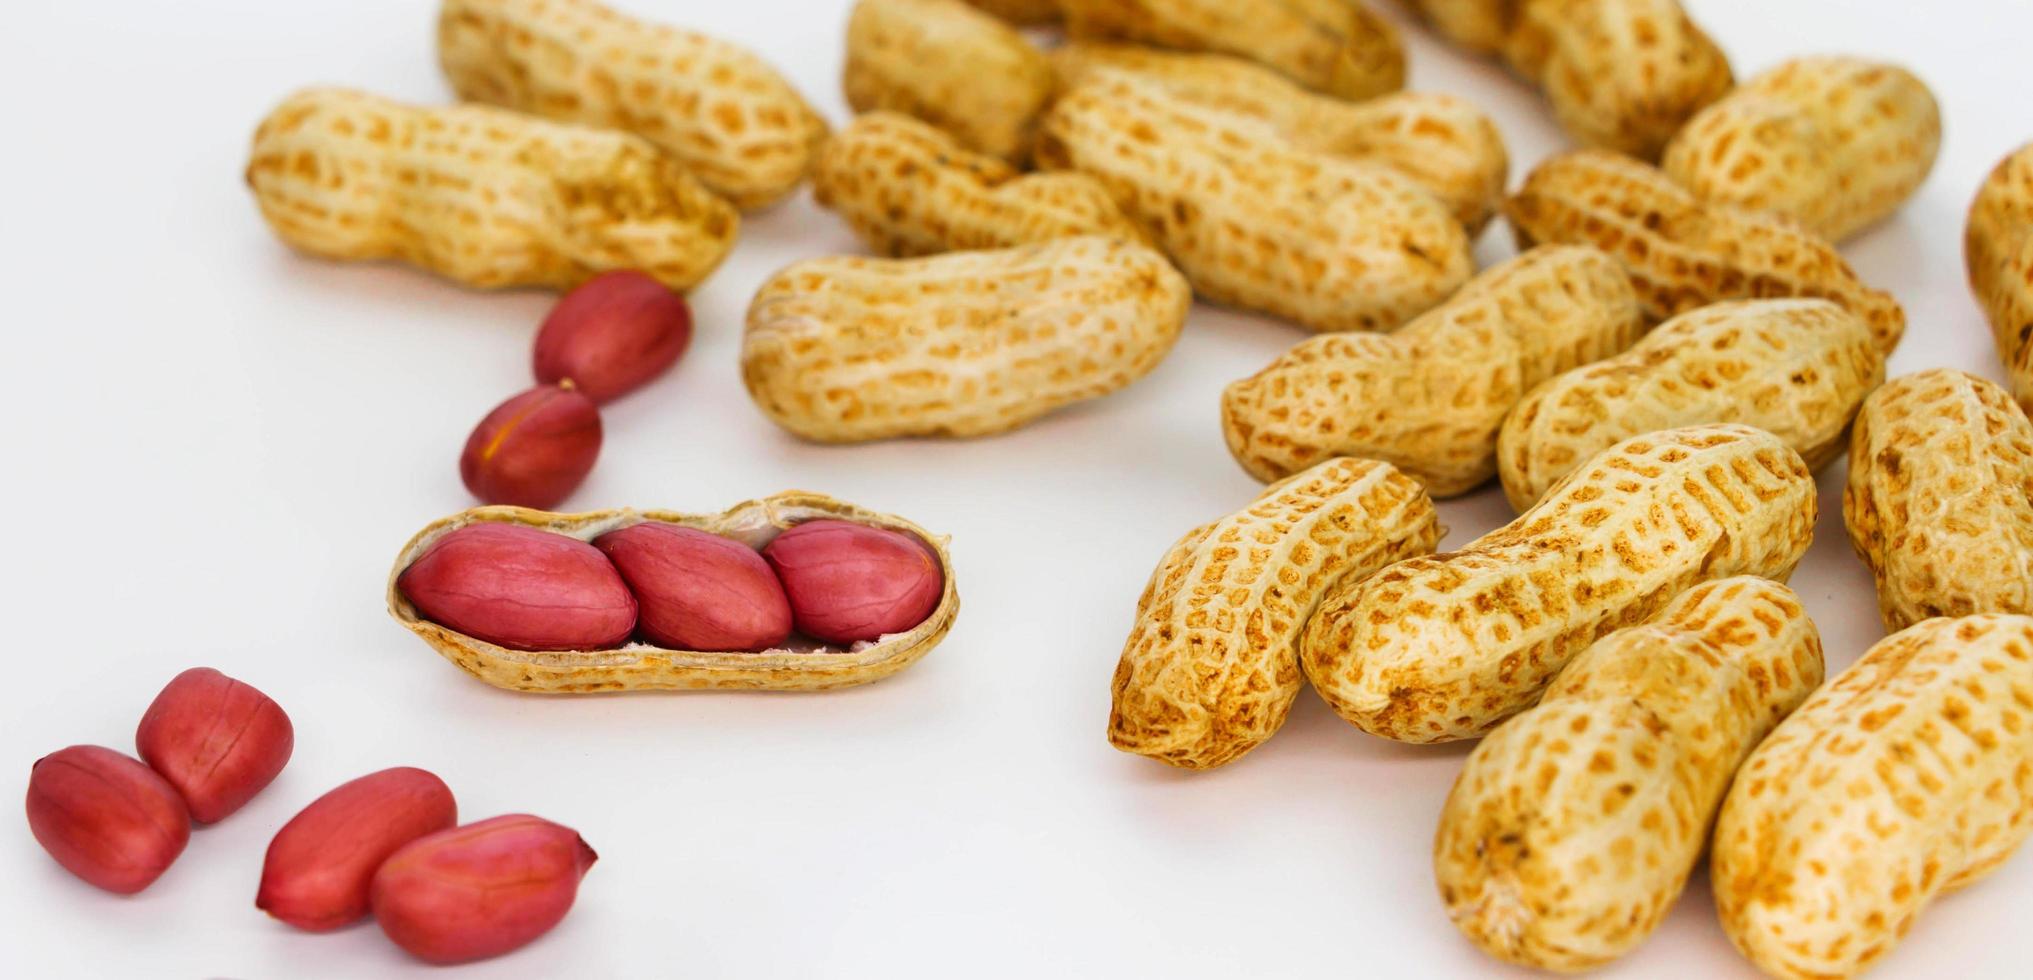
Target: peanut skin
pixel 615 333
pixel 699 591
pixel 1998 247
pixel 521 588
pixel 320 867
pixel 851 583
pixel 105 817
pixel 1338 47
pixel 533 450
pixel 481 890
pixel 215 739
pixel 952 66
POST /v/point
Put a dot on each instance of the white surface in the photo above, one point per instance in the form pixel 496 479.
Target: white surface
pixel 216 448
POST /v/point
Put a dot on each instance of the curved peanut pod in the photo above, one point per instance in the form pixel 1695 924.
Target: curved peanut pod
pixel 1338 47
pixel 718 109
pixel 1480 26
pixel 1998 246
pixel 1683 253
pixel 962 345
pixel 950 65
pixel 1909 775
pixel 1939 502
pixel 1430 398
pixel 909 189
pixel 1439 142
pixel 1834 143
pixel 1797 368
pixel 1254 220
pixel 1620 74
pixel 1021 12
pixel 483 196
pixel 1210 669
pixel 1443 648
pixel 1574 826
pixel 798 665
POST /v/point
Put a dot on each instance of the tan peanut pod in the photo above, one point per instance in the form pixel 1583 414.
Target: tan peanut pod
pixel 965 344
pixel 950 65
pixel 1481 26
pixel 723 112
pixel 1254 220
pixel 1939 502
pixel 1024 13
pixel 1574 826
pixel 1909 775
pixel 1430 398
pixel 1439 142
pixel 1998 247
pixel 1443 648
pixel 910 189
pixel 1210 668
pixel 482 196
pixel 1834 143
pixel 1683 253
pixel 1338 47
pixel 1797 368
pixel 800 666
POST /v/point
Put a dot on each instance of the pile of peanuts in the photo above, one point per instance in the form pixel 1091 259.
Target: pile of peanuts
pixel 1654 381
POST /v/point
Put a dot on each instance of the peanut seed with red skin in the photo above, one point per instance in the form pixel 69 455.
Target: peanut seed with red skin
pixel 615 333
pixel 106 817
pixel 480 890
pixel 534 449
pixel 851 582
pixel 320 866
pixel 216 739
pixel 521 588
pixel 698 591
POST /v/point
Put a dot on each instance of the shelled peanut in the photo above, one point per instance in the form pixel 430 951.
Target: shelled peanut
pixel 1439 142
pixel 319 870
pixel 1908 776
pixel 612 600
pixel 952 66
pixel 1447 647
pixel 719 110
pixel 1210 668
pixel 482 196
pixel 480 890
pixel 1255 220
pixel 1573 827
pixel 107 818
pixel 1797 368
pixel 1338 47
pixel 1429 398
pixel 1683 253
pixel 1939 502
pixel 1998 247
pixel 909 189
pixel 217 740
pixel 1620 74
pixel 1836 143
pixel 965 344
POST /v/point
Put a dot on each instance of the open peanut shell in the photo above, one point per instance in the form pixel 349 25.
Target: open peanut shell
pixel 803 664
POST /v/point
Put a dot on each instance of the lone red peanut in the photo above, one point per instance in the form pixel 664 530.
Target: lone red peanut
pixel 322 862
pixel 215 739
pixel 105 817
pixel 534 449
pixel 612 335
pixel 480 890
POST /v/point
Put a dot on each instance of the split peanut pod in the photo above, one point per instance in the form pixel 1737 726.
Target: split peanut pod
pixel 1797 368
pixel 1440 142
pixel 1210 668
pixel 801 664
pixel 1998 246
pixel 1447 647
pixel 482 196
pixel 718 109
pixel 1940 498
pixel 1430 398
pixel 1021 12
pixel 1338 47
pixel 1835 143
pixel 1909 775
pixel 1684 253
pixel 1254 220
pixel 1574 826
pixel 909 189
pixel 952 66
pixel 964 344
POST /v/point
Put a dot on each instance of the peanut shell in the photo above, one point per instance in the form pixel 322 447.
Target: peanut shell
pixel 952 66
pixel 1021 12
pixel 1998 246
pixel 1338 47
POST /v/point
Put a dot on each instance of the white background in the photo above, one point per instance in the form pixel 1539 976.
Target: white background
pixel 214 448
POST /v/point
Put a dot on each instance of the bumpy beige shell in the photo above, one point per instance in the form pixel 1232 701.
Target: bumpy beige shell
pixel 1999 249
pixel 1574 826
pixel 1940 498
pixel 1430 398
pixel 1797 368
pixel 1439 142
pixel 1210 668
pixel 1480 26
pixel 964 344
pixel 1443 648
pixel 723 112
pixel 1022 12
pixel 952 66
pixel 483 196
pixel 1254 220
pixel 1339 47
pixel 1683 253
pixel 1909 775
pixel 1834 143
pixel 802 666
pixel 910 189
